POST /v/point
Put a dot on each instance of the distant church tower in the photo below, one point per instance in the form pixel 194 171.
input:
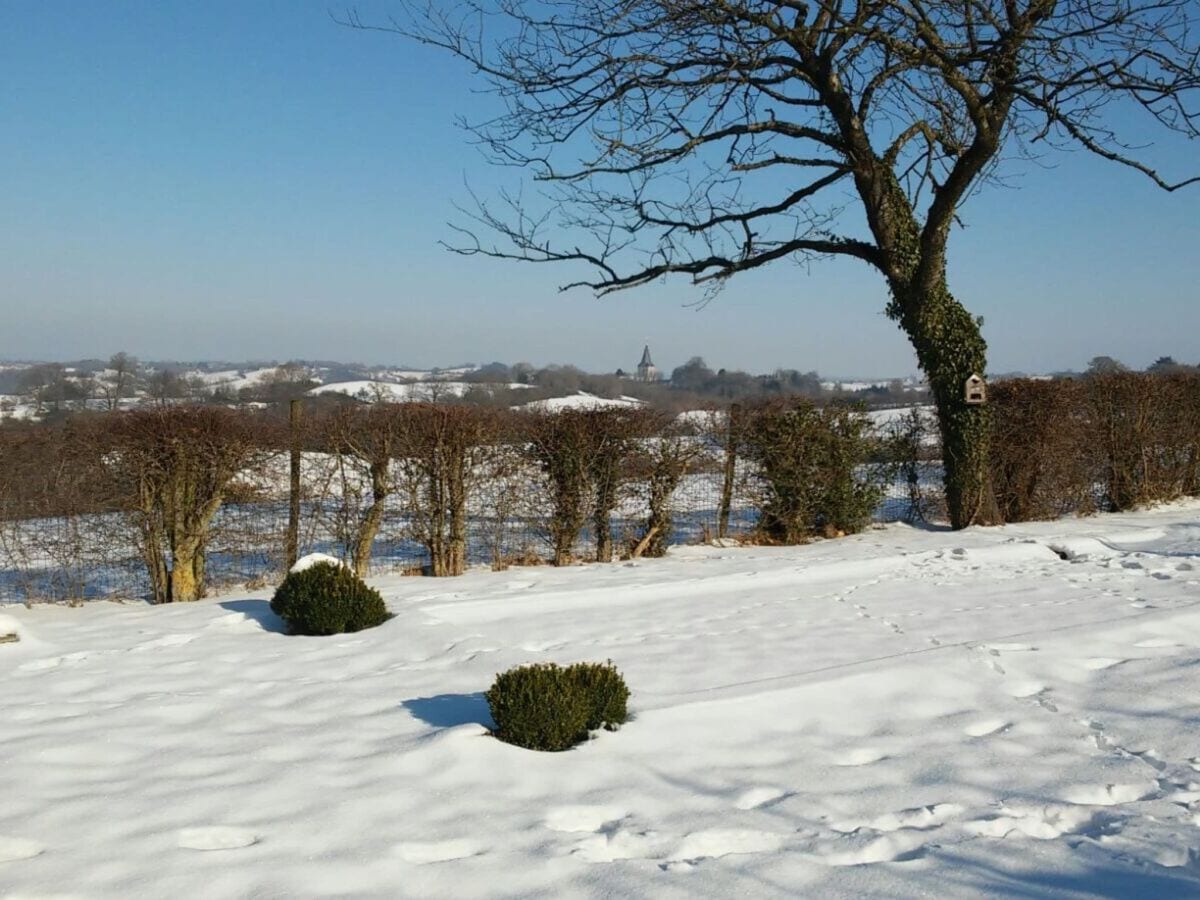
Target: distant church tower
pixel 646 370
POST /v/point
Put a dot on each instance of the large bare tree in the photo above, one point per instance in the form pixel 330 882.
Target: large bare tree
pixel 710 138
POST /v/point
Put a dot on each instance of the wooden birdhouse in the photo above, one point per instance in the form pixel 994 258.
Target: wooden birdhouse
pixel 976 390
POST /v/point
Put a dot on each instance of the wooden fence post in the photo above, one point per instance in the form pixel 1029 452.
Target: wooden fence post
pixel 731 453
pixel 292 546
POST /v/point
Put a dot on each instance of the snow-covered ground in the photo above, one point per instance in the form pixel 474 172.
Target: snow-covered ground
pixel 1008 712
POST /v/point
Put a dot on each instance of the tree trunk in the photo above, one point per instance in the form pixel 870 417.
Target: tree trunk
pixel 184 586
pixel 156 563
pixel 604 501
pixel 364 540
pixel 950 349
pixel 456 564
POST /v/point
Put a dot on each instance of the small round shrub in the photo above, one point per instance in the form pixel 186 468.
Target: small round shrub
pixel 547 707
pixel 606 694
pixel 328 599
pixel 539 707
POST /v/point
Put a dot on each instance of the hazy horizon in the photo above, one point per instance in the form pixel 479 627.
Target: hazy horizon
pixel 237 182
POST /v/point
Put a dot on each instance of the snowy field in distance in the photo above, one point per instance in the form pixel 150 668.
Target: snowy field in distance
pixel 1006 712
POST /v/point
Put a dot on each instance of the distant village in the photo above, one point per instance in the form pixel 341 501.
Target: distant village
pixel 34 390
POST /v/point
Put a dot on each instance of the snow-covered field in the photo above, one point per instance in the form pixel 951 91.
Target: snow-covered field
pixel 1007 712
pixel 421 391
pixel 580 400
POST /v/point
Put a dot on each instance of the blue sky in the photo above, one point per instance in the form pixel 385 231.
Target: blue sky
pixel 248 179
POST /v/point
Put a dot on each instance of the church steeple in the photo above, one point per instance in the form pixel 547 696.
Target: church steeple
pixel 646 370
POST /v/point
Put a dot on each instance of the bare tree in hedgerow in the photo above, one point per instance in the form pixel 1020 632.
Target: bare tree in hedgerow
pixel 710 138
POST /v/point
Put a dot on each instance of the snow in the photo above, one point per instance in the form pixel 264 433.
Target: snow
pixel 403 393
pixel 907 712
pixel 233 379
pixel 882 418
pixel 581 400
pixel 313 559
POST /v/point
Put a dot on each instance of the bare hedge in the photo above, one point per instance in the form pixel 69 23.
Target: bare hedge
pixel 167 503
pixel 1106 442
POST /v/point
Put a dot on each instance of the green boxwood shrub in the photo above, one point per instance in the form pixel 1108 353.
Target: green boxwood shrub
pixel 547 707
pixel 605 691
pixel 328 599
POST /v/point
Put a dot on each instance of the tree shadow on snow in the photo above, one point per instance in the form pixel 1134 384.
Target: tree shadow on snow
pixel 259 611
pixel 448 710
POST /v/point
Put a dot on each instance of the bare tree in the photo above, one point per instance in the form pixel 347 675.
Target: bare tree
pixel 174 467
pixel 447 453
pixel 712 137
pixel 372 436
pixel 118 380
pixel 166 385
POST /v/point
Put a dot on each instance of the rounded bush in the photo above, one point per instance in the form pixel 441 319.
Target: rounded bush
pixel 328 599
pixel 606 693
pixel 547 707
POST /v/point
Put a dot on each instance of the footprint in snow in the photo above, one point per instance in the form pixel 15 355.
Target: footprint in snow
pixel 1043 823
pixel 996 649
pixel 1099 663
pixel 583 818
pixel 920 818
pixel 423 853
pixel 758 797
pixel 169 640
pixel 863 848
pixel 216 837
pixel 40 665
pixel 622 843
pixel 863 756
pixel 1110 794
pixel 14 849
pixel 1025 690
pixel 986 727
pixel 52 662
pixel 717 842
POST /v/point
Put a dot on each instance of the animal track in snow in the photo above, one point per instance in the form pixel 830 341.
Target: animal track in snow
pixel 13 849
pixel 423 853
pixel 216 837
